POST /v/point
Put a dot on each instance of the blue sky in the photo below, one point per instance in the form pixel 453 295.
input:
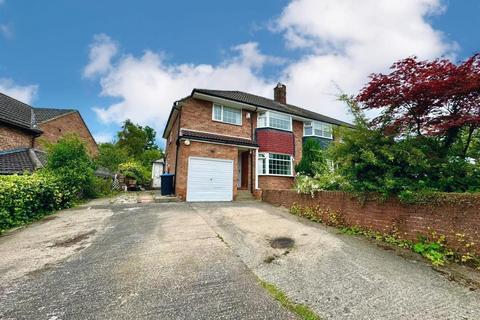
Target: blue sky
pixel 132 60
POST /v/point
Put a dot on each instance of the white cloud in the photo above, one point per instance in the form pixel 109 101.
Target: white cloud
pixel 103 137
pixel 102 50
pixel 340 43
pixel 148 85
pixel 346 40
pixel 250 56
pixel 25 94
pixel 6 31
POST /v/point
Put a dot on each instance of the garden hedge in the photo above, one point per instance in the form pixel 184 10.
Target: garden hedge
pixel 26 198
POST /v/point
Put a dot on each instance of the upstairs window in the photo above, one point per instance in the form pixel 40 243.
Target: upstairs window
pixel 227 114
pixel 317 129
pixel 270 119
pixel 274 164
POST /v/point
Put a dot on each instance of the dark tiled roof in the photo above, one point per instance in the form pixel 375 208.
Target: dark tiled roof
pixel 16 113
pixel 266 103
pixel 24 116
pixel 45 114
pixel 19 160
pixel 210 137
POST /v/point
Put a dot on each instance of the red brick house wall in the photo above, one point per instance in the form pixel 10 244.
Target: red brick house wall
pixel 54 129
pixel 456 214
pixel 298 134
pixel 171 148
pixel 197 115
pixel 275 182
pixel 11 138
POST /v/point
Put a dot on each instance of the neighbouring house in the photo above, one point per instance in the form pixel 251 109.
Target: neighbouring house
pixel 24 129
pixel 220 143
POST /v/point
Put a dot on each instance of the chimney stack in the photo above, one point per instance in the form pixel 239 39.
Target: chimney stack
pixel 280 93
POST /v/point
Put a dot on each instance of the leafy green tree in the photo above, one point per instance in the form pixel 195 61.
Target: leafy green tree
pixel 110 155
pixel 372 161
pixel 313 159
pixel 136 139
pixel 148 156
pixel 135 144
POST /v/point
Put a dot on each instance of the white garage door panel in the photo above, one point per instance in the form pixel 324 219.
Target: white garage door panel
pixel 209 179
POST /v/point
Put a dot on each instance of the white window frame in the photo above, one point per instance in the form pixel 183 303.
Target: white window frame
pixel 267 164
pixel 222 121
pixel 267 120
pixel 317 124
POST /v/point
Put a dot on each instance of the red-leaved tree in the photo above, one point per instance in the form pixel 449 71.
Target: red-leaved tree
pixel 432 98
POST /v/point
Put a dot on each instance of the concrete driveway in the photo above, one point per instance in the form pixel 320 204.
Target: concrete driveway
pixel 201 261
pixel 338 276
pixel 153 261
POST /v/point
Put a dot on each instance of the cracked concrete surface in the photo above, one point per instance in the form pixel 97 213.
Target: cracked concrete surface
pixel 47 242
pixel 338 276
pixel 123 260
pixel 154 261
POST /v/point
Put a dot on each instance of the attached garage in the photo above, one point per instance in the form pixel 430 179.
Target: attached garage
pixel 209 179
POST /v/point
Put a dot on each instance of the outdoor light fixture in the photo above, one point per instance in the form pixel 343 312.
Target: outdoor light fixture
pixel 187 142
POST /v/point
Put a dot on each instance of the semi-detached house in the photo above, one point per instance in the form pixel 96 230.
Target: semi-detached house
pixel 220 143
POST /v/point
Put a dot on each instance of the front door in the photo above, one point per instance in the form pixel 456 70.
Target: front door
pixel 244 170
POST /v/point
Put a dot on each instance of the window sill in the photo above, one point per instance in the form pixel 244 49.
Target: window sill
pixel 285 130
pixel 276 175
pixel 233 124
pixel 328 138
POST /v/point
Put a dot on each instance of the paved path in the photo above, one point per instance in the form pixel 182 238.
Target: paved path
pixel 153 261
pixel 338 276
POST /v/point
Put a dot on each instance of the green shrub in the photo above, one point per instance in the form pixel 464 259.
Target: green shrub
pixel 435 251
pixel 313 159
pixel 135 170
pixel 29 197
pixel 329 180
pixel 67 177
pixel 69 161
pixel 100 187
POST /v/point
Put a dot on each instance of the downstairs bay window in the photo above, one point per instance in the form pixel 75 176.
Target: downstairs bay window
pixel 275 164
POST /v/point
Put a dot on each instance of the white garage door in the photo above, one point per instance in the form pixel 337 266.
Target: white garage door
pixel 209 179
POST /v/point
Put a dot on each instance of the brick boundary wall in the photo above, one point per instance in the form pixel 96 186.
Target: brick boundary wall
pixel 453 215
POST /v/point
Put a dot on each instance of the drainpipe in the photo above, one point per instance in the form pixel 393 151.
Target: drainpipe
pixel 256 169
pixel 178 145
pixel 251 155
pixel 254 159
